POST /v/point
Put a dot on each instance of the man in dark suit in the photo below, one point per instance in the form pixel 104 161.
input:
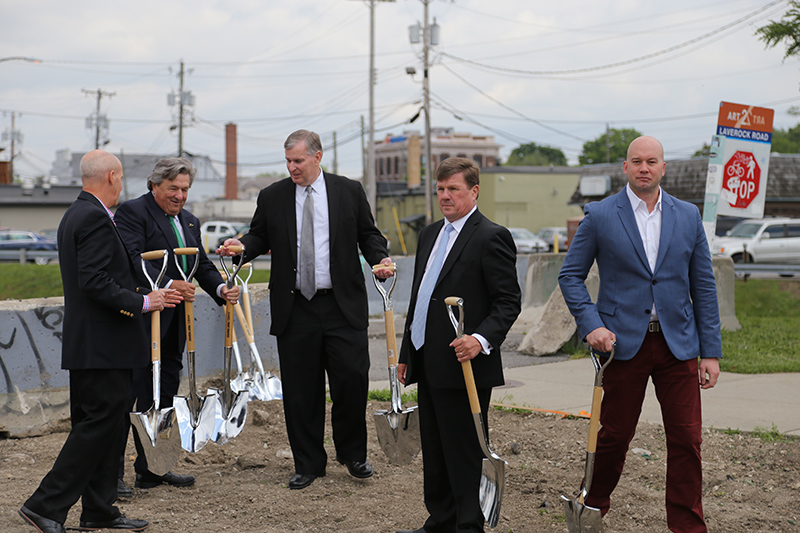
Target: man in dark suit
pixel 315 223
pixel 157 221
pixel 477 259
pixel 103 339
pixel 658 301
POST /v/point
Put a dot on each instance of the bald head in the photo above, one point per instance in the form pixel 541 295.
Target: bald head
pixel 101 174
pixel 651 143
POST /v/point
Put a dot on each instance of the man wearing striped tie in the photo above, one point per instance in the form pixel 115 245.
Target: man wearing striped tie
pixel 157 221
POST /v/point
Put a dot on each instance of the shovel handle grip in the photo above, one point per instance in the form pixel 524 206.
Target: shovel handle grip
pixel 235 248
pixel 155 254
pixel 391 338
pixel 391 266
pixel 185 251
pixel 155 336
pixel 188 309
pixel 472 390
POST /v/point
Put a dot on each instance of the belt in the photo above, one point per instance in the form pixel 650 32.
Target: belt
pixel 654 327
pixel 320 292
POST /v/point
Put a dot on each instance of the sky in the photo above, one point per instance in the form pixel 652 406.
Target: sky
pixel 554 73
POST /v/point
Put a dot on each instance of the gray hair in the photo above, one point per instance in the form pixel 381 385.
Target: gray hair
pixel 169 168
pixel 313 143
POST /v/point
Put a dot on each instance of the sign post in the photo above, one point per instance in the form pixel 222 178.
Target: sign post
pixel 738 165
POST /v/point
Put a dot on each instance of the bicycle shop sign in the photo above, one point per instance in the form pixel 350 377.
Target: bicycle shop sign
pixel 744 135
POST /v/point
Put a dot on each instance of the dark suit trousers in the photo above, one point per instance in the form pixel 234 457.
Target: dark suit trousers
pixel 86 467
pixel 678 391
pixel 320 340
pixel 452 456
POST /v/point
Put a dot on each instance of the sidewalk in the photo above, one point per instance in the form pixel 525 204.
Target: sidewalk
pixel 738 401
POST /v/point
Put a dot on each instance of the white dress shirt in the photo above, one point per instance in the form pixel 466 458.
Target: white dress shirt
pixel 322 249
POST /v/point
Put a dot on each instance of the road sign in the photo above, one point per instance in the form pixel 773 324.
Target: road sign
pixel 736 183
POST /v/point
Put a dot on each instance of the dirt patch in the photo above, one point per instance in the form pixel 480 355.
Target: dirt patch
pixel 750 485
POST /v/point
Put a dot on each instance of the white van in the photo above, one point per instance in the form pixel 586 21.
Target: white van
pixel 211 231
pixel 768 240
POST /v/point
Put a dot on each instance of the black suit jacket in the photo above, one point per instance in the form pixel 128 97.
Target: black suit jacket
pixel 351 227
pixel 103 324
pixel 144 227
pixel 481 269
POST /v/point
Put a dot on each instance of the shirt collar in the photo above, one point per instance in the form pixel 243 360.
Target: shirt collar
pixel 458 225
pixel 637 203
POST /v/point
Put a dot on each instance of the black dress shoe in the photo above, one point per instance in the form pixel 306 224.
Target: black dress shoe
pixel 301 481
pixel 148 481
pixel 119 522
pixel 357 468
pixel 123 490
pixel 42 524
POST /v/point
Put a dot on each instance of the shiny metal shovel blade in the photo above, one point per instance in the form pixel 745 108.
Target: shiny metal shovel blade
pixel 197 431
pixel 493 480
pixel 231 416
pixel 160 437
pixel 581 518
pixel 398 434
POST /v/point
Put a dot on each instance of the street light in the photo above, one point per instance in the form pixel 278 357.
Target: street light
pixel 20 58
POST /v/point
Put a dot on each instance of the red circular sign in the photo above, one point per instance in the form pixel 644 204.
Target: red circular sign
pixel 741 179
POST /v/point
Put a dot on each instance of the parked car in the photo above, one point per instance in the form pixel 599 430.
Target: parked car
pixel 14 239
pixel 238 235
pixel 768 240
pixel 213 230
pixel 526 241
pixel 548 235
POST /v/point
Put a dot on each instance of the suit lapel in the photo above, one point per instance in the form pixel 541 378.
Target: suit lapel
pixel 334 196
pixel 667 227
pixel 629 226
pixel 424 250
pixel 461 241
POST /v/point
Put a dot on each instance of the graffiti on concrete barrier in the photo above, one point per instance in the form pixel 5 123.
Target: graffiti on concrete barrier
pixel 39 335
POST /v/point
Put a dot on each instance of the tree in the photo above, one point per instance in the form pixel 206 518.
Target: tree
pixel 610 147
pixel 788 29
pixel 531 154
pixel 786 141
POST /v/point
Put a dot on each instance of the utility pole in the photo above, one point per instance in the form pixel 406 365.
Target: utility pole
pixel 335 155
pixel 13 136
pixel 184 98
pixel 98 121
pixel 426 102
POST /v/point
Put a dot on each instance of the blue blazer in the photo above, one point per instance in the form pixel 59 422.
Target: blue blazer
pixel 682 286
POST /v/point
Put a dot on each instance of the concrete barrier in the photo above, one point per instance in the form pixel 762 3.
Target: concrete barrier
pixel 34 393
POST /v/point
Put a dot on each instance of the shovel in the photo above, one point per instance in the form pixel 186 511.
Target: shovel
pixel 397 429
pixel 156 428
pixel 581 517
pixel 231 407
pixel 493 474
pixel 242 380
pixel 196 414
pixel 267 386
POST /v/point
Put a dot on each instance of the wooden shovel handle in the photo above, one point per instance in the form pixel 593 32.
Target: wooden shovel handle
pixel 155 254
pixel 188 309
pixel 228 325
pixel 472 390
pixel 391 337
pixel 243 322
pixel 594 421
pixel 155 336
pixel 235 248
pixel 185 251
pixel 390 266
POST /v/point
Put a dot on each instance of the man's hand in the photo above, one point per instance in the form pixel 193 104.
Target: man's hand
pixel 232 294
pixel 466 348
pixel 384 273
pixel 185 288
pixel 401 373
pixel 709 372
pixel 163 298
pixel 224 250
pixel 601 340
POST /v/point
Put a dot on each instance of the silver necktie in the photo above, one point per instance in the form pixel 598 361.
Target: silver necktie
pixel 308 285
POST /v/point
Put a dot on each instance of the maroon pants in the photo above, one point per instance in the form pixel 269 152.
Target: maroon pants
pixel 678 391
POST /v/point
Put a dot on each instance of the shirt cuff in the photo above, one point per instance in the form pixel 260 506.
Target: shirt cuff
pixel 146 304
pixel 487 348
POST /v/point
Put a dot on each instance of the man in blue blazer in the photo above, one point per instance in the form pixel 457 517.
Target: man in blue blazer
pixel 157 221
pixel 658 301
